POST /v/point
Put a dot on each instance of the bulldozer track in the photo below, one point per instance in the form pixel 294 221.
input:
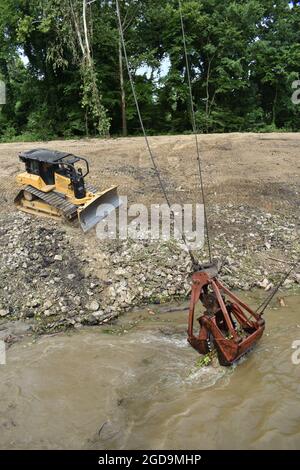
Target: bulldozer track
pixel 55 200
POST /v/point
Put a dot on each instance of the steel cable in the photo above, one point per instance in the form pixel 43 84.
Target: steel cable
pixel 195 130
pixel 155 166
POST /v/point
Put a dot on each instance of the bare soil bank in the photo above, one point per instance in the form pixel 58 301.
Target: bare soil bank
pixel 52 277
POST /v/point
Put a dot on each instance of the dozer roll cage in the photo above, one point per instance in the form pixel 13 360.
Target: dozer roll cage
pixel 39 162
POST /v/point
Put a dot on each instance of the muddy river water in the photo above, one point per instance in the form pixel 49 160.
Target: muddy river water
pixel 137 386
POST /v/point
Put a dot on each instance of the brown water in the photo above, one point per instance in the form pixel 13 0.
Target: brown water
pixel 99 389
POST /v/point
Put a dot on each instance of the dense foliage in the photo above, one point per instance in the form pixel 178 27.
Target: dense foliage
pixel 65 74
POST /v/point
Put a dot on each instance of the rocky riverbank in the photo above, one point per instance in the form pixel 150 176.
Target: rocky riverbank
pixel 52 278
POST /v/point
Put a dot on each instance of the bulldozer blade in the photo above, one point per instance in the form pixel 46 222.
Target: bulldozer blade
pixel 99 208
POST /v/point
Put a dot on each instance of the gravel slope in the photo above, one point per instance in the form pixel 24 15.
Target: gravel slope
pixel 52 277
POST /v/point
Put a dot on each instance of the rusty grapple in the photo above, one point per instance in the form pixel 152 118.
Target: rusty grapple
pixel 227 325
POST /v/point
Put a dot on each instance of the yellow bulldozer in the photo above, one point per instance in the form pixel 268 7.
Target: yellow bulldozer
pixel 54 185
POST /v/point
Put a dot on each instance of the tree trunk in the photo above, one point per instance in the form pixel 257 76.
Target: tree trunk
pixel 86 36
pixel 86 124
pixel 123 93
pixel 77 28
pixel 207 96
pixel 275 105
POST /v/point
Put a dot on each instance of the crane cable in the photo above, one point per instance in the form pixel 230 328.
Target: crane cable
pixel 195 130
pixel 263 307
pixel 155 166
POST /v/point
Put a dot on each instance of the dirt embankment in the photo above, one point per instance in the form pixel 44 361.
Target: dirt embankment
pixel 53 277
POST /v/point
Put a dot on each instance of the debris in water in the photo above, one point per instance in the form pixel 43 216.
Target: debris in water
pixel 206 360
pixel 281 302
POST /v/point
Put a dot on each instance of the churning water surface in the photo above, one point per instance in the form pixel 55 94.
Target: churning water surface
pixel 107 388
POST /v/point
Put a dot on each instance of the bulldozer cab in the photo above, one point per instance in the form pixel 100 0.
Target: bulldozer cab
pixel 44 170
pixel 46 163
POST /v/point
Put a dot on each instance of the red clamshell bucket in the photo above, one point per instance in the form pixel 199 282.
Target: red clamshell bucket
pixel 228 324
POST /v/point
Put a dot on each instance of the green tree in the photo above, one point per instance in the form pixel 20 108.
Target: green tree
pixel 244 57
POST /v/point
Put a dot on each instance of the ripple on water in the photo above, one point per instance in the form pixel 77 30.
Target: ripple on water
pixel 146 388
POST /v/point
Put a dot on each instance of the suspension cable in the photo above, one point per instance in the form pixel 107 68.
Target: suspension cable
pixel 263 307
pixel 195 130
pixel 155 166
